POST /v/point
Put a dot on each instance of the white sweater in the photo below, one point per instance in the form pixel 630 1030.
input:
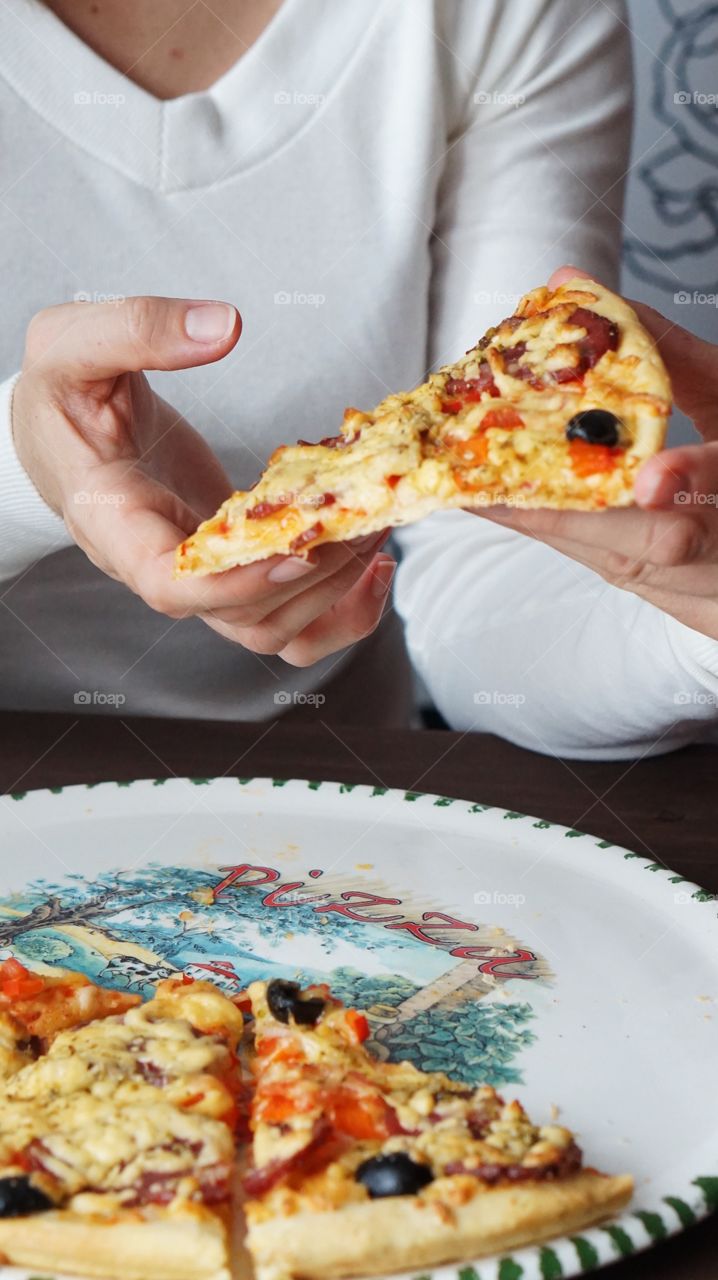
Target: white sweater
pixel 372 184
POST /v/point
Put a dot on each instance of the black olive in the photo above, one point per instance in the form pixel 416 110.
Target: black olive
pixel 18 1197
pixel 393 1175
pixel 285 999
pixel 595 426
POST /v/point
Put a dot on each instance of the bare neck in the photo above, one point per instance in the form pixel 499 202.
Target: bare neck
pixel 169 47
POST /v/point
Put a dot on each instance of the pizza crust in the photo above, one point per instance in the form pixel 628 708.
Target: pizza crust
pixel 184 1243
pixel 404 461
pixel 403 1232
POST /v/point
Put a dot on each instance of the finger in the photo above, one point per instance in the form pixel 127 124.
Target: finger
pixel 632 573
pixel 692 364
pixel 653 537
pixel 685 476
pixel 563 274
pixel 352 619
pixel 89 342
pixel 135 539
pixel 274 631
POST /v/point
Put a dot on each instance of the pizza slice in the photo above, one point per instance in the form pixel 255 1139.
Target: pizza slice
pixel 361 1166
pixel 118 1127
pixel 558 406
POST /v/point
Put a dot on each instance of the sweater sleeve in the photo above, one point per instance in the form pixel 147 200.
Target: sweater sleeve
pixel 513 638
pixel 509 636
pixel 30 529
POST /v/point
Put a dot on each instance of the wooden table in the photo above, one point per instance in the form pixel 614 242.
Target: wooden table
pixel 665 808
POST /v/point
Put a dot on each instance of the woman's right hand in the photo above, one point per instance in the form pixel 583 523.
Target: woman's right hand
pixel 131 478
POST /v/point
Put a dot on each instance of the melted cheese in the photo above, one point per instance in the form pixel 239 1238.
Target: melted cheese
pixel 124 1099
pixel 440 1118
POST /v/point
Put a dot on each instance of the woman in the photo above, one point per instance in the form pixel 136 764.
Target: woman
pixel 372 185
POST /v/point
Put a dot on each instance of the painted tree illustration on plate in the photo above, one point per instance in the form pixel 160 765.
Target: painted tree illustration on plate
pixel 130 928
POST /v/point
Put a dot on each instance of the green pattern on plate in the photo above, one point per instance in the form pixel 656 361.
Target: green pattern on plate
pixel 510 1269
pixel 685 1214
pixel 653 1222
pixel 709 1187
pixel 468 1273
pixel 587 1253
pixel 620 1239
pixel 551 1268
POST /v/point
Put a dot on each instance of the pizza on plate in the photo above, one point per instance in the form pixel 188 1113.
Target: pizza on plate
pixel 361 1166
pixel 118 1123
pixel 557 406
pixel 124 1125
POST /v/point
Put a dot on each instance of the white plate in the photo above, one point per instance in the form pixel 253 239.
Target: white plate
pixel 596 969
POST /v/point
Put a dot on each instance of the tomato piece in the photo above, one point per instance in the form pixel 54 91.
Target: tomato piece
pixel 474 451
pixel 309 535
pixel 22 988
pixel 12 968
pixel 450 406
pixel 507 419
pixel 589 459
pixel 264 509
pixel 278 1102
pixel 361 1114
pixel 357 1024
pixel 192 1100
pixel 280 1048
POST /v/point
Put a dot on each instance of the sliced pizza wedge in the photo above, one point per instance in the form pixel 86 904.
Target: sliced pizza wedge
pixel 118 1132
pixel 361 1166
pixel 558 406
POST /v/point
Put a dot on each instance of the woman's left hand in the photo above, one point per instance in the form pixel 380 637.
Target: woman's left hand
pixel 664 549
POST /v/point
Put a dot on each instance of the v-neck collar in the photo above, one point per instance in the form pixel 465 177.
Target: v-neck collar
pixel 197 140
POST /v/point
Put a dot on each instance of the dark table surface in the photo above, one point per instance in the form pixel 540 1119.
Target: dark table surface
pixel 665 808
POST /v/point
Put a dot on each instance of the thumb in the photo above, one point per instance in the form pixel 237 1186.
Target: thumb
pixel 562 275
pixel 92 341
pixel 692 364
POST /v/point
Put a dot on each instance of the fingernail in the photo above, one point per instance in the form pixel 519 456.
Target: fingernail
pixel 381 578
pixel 662 488
pixel 289 569
pixel 209 322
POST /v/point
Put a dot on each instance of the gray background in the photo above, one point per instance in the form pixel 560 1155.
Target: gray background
pixel 671 232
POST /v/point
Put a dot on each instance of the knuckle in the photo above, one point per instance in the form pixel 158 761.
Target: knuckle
pixel 264 640
pixel 39 335
pixel 626 571
pixel 142 318
pixel 681 544
pixel 158 598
